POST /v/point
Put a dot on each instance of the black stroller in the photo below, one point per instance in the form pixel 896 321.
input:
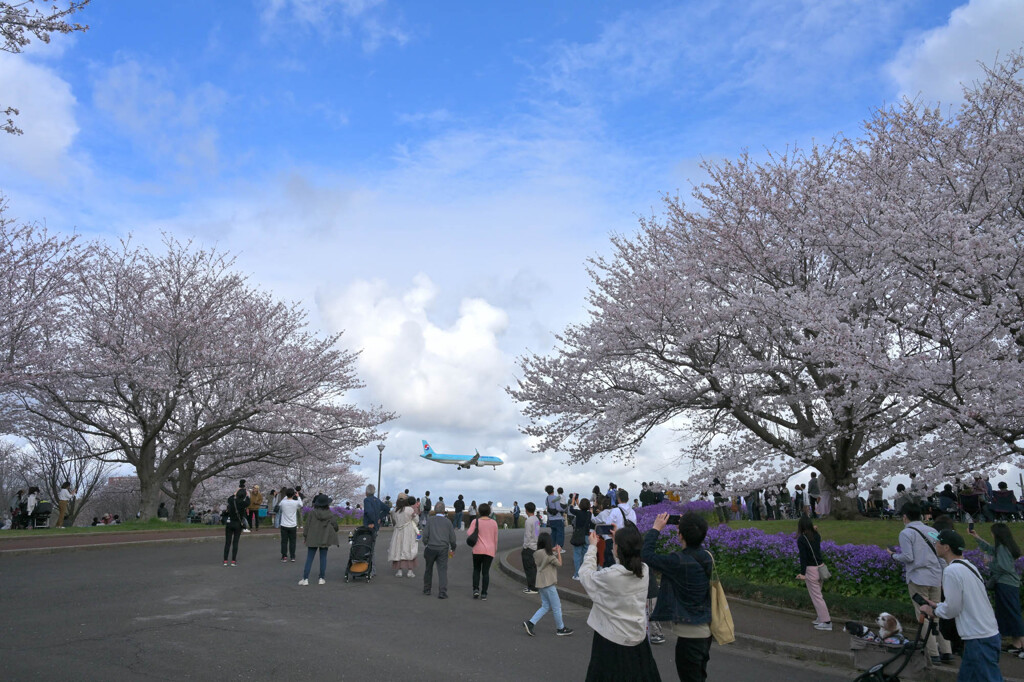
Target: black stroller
pixel 360 555
pixel 879 672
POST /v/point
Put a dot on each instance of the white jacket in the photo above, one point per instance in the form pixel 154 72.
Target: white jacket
pixel 619 598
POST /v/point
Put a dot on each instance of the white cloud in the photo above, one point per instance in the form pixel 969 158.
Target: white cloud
pixel 169 124
pixel 434 375
pixel 935 63
pixel 47 118
pixel 330 17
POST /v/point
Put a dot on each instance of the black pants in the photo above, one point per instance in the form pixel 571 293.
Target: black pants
pixel 530 568
pixel 288 536
pixel 231 534
pixel 254 519
pixel 481 572
pixel 438 557
pixel 692 659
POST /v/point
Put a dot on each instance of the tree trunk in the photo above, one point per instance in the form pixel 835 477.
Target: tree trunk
pixel 149 495
pixel 182 496
pixel 842 506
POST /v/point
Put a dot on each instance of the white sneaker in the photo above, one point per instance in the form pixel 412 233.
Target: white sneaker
pixel 322 581
pixel 824 626
pixel 303 582
pixel 399 573
pixel 246 530
pixel 410 574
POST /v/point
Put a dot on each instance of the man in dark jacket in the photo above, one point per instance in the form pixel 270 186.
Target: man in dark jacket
pixel 438 541
pixel 373 510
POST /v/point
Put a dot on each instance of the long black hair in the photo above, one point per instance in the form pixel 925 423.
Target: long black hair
pixel 628 544
pixel 1002 536
pixel 805 526
pixel 545 542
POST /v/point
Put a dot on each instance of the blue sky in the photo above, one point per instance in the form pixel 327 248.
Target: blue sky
pixel 431 177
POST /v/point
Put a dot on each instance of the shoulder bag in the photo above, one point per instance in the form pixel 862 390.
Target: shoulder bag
pixel 823 572
pixel 473 537
pixel 722 628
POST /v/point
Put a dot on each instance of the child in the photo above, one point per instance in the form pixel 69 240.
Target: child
pixel 548 560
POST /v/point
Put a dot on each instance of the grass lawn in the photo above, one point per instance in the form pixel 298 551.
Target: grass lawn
pixel 871 531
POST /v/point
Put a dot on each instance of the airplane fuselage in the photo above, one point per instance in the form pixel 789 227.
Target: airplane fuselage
pixel 461 461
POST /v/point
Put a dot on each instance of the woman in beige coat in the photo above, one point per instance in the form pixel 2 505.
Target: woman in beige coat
pixel 404 548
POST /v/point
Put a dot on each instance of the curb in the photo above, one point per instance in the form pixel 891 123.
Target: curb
pixel 110 545
pixel 833 657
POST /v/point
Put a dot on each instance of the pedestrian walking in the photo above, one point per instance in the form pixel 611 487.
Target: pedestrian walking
pixel 684 597
pixel 403 550
pixel 236 509
pixel 289 508
pixel 1004 552
pixel 808 543
pixel 484 550
pixel 966 601
pixel 620 650
pixel 438 547
pixel 320 533
pixel 548 560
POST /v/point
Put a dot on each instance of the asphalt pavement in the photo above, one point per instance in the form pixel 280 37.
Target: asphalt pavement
pixel 172 611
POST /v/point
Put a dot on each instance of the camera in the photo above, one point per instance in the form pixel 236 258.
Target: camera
pixel 918 599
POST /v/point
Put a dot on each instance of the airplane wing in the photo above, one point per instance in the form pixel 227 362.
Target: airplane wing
pixel 475 460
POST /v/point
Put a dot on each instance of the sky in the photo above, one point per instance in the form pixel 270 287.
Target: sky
pixel 431 178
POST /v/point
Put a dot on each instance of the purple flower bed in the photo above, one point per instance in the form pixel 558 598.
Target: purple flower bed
pixel 857 570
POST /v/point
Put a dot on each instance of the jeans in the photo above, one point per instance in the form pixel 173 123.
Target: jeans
pixel 981 660
pixel 530 568
pixel 231 534
pixel 549 601
pixel 481 572
pixel 692 656
pixel 515 520
pixel 577 558
pixel 557 527
pixel 288 536
pixel 277 520
pixel 309 562
pixel 439 557
pixel 458 520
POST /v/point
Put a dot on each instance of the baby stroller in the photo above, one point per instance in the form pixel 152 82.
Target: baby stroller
pixel 360 555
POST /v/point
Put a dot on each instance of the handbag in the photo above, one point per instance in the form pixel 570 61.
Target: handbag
pixel 471 540
pixel 823 572
pixel 722 628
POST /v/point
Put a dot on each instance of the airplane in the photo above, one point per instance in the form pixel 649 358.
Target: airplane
pixel 461 461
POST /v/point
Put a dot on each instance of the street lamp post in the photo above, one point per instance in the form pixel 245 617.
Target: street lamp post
pixel 380 457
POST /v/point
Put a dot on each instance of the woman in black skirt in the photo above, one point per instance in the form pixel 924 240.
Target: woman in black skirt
pixel 620 650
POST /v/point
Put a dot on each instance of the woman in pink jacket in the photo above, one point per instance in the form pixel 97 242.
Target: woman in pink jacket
pixel 484 550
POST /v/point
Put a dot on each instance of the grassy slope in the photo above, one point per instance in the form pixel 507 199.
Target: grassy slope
pixel 870 531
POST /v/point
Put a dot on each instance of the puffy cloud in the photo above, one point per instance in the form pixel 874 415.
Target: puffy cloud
pixel 434 375
pixel 47 117
pixel 328 17
pixel 935 63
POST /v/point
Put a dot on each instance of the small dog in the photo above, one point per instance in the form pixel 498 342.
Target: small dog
pixel 888 625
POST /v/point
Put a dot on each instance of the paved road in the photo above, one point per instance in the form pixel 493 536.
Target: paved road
pixel 173 612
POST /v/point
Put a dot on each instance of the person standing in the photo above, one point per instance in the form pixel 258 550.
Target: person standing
pixel 924 570
pixel 620 650
pixel 236 509
pixel 555 509
pixel 438 547
pixel 320 533
pixel 966 601
pixel 548 560
pixel 471 512
pixel 373 510
pixel 580 535
pixel 628 513
pixel 684 597
pixel 403 550
pixel 515 514
pixel 64 498
pixel 531 532
pixel 808 543
pixel 273 510
pixel 459 506
pixel 425 507
pixel 814 494
pixel 289 508
pixel 484 550
pixel 255 502
pixel 1004 553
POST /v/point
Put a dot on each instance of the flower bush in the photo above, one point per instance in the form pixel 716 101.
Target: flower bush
pixel 773 559
pixel 346 517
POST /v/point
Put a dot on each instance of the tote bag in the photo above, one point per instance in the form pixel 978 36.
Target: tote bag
pixel 721 617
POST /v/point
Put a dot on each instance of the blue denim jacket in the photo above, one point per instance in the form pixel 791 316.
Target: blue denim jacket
pixel 685 593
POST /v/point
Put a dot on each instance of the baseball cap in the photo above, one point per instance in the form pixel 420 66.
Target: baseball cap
pixel 953 539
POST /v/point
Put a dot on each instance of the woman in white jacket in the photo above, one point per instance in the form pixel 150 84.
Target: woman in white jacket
pixel 620 650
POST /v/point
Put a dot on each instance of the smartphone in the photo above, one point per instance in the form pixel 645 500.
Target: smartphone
pixel 970 526
pixel 673 520
pixel 918 599
pixel 603 529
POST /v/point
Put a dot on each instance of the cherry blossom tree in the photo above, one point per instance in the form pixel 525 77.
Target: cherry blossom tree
pixel 174 360
pixel 21 21
pixel 854 308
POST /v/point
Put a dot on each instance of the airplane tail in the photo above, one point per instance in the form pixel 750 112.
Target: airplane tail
pixel 428 451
